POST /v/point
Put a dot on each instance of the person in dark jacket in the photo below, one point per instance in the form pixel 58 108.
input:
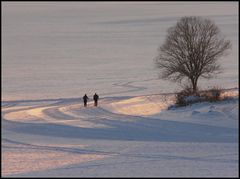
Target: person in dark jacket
pixel 95 98
pixel 85 98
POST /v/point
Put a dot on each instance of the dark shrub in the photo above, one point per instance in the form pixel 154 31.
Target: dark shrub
pixel 182 96
pixel 187 96
pixel 214 94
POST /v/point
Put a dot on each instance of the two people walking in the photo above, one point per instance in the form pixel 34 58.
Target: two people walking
pixel 95 98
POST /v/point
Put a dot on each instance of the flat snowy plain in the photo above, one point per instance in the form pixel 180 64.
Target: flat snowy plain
pixel 53 53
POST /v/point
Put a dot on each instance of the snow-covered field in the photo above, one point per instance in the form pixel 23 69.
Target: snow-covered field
pixel 127 136
pixel 54 53
pixel 63 50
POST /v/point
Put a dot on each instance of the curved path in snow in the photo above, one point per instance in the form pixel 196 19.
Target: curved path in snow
pixel 132 118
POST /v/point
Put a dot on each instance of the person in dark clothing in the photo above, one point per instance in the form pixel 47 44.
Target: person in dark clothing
pixel 95 98
pixel 85 98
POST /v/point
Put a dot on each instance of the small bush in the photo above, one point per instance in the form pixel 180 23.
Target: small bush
pixel 186 97
pixel 180 99
pixel 213 94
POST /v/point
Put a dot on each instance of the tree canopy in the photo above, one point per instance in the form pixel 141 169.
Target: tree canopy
pixel 191 50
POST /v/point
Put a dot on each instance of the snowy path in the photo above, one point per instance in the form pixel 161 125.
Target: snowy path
pixel 127 136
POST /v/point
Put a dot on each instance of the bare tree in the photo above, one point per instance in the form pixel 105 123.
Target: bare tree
pixel 191 50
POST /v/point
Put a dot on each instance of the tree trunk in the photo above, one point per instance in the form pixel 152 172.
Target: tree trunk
pixel 194 85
